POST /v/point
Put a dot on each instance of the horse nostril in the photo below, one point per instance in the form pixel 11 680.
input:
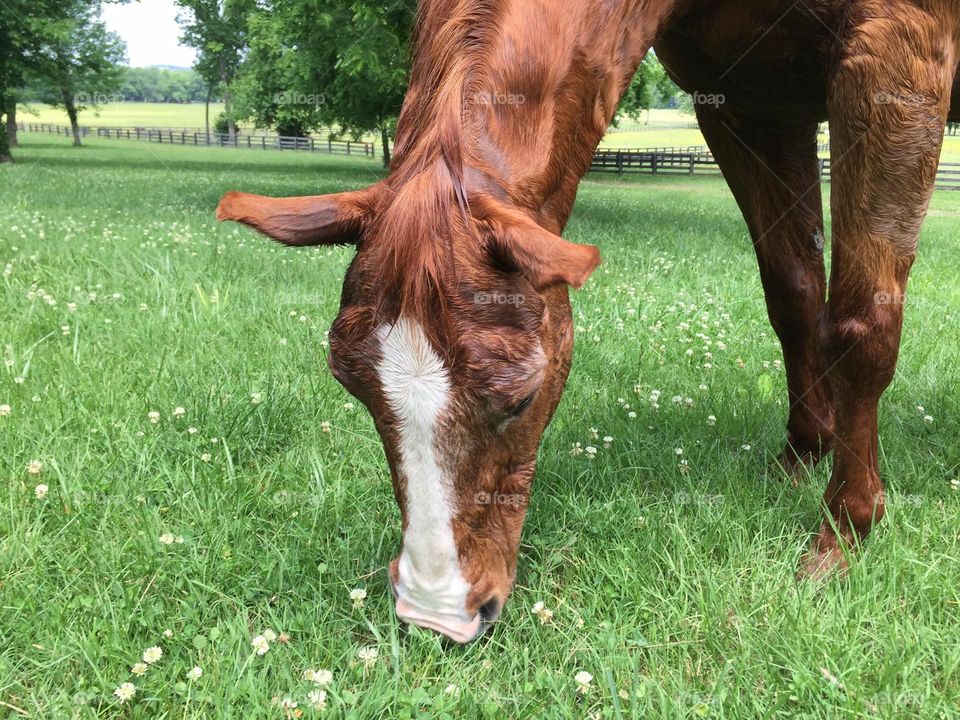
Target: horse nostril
pixel 490 610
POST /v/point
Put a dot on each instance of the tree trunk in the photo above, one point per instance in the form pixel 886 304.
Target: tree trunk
pixel 5 156
pixel 72 114
pixel 385 139
pixel 228 110
pixel 12 123
pixel 207 115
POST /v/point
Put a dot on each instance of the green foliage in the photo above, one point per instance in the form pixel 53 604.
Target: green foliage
pixel 221 124
pixel 26 28
pixel 347 66
pixel 217 29
pixel 79 63
pixel 650 87
pixel 164 86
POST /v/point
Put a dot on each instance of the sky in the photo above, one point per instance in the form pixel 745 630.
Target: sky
pixel 150 30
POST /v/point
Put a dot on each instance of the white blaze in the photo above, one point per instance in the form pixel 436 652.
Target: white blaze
pixel 417 388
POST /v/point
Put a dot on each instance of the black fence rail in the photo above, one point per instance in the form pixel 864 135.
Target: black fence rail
pixel 700 161
pixel 199 138
pixel 690 160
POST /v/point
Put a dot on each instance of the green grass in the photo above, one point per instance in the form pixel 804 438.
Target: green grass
pixel 127 114
pixel 121 295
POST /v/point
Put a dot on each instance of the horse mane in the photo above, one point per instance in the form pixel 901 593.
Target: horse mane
pixel 425 203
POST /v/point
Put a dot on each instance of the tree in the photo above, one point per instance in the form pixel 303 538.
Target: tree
pixel 649 88
pixel 27 29
pixel 217 29
pixel 347 66
pixel 78 64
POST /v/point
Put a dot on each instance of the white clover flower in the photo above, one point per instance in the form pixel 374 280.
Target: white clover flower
pixel 288 704
pixel 317 699
pixel 206 457
pixel 139 669
pixel 194 673
pixel 711 419
pixel 179 412
pixel 126 691
pixel 167 539
pixel 323 677
pixel 270 635
pixel 256 398
pixel 583 680
pixel 153 416
pixel 358 595
pixel 368 656
pixel 5 410
pixel 260 645
pixel 542 612
pixel 40 491
pixel 152 654
pixel 35 467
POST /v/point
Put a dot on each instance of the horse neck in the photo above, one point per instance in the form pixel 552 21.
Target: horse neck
pixel 513 96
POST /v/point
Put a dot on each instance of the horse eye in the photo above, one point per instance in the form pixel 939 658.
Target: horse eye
pixel 521 406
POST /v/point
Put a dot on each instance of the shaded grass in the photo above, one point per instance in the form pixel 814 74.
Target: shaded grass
pixel 672 584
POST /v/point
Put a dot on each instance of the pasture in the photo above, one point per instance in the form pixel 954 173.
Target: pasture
pixel 127 114
pixel 182 471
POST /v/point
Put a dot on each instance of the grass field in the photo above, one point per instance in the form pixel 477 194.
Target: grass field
pixel 127 114
pixel 266 501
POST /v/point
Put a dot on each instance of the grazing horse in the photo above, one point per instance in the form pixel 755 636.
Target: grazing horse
pixel 455 326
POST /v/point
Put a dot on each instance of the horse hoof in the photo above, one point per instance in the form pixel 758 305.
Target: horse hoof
pixel 824 560
pixel 796 466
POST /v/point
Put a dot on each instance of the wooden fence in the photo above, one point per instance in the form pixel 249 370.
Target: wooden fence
pixel 200 138
pixel 691 160
pixel 700 161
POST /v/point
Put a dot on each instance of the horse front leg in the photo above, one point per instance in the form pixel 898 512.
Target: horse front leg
pixel 888 104
pixel 774 174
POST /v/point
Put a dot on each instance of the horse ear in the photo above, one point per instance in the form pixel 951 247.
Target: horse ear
pixel 335 219
pixel 543 257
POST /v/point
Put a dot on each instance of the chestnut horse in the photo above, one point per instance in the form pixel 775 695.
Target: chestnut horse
pixel 455 326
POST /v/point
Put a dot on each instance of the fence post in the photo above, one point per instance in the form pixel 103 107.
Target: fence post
pixel 691 163
pixel 329 146
pixel 619 162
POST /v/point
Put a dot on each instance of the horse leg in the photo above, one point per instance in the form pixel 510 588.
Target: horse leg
pixel 774 174
pixel 888 103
